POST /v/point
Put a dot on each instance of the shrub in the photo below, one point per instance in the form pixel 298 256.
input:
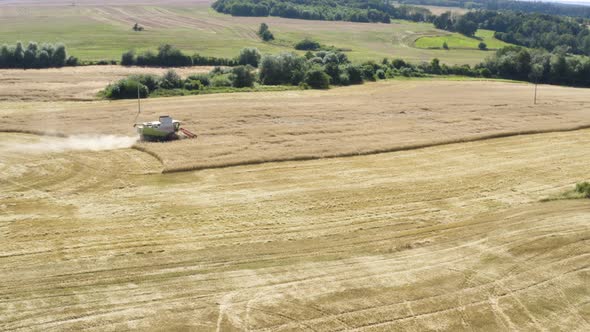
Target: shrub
pixel 482 46
pixel 307 45
pixel 445 46
pixel 128 58
pixel 316 60
pixel 72 61
pixel 344 79
pixel 317 78
pixel 355 74
pixel 169 56
pixel 484 72
pixel 406 72
pixel 583 188
pixel 148 58
pixel 193 85
pixel 249 56
pixel 126 88
pixel 368 72
pixel 221 81
pixel 267 36
pixel 333 70
pixel 242 77
pixel 171 80
pixel 151 82
pixel 203 78
pixel 265 33
pixel 380 74
pixel 199 60
pixel 284 68
pixel 398 63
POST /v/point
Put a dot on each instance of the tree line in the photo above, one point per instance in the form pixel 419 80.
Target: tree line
pixel 532 30
pixel 35 56
pixel 325 10
pixel 540 7
pixel 322 69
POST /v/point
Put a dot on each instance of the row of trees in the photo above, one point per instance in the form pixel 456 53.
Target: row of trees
pixel 535 30
pixel 325 10
pixel 321 69
pixel 35 56
pixel 539 66
pixel 462 24
pixel 170 56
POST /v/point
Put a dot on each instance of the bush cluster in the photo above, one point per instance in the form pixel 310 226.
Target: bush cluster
pixel 146 84
pixel 170 56
pixel 308 44
pixel 583 188
pixel 316 70
pixel 35 56
pixel 264 33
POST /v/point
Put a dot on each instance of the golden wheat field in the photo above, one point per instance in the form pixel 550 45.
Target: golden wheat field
pixel 427 215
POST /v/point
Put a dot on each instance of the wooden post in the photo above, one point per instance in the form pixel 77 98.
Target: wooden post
pixel 535 100
pixel 138 100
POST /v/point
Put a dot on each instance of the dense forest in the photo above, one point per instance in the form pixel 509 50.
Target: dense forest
pixel 326 10
pixel 521 6
pixel 35 56
pixel 531 30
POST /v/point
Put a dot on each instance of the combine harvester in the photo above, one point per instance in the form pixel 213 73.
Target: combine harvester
pixel 166 129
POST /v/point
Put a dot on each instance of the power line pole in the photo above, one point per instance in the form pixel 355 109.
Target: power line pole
pixel 535 100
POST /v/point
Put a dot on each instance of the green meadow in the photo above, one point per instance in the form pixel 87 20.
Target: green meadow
pixel 104 33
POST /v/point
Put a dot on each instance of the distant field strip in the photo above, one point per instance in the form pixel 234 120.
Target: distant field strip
pixel 456 40
pixel 449 238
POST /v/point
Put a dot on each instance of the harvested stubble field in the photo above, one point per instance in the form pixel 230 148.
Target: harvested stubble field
pixel 245 128
pixel 71 83
pixel 443 238
pixel 449 237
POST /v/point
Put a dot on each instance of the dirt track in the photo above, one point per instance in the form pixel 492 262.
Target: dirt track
pixel 255 127
pixel 450 238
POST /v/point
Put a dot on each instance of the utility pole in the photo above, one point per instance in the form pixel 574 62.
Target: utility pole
pixel 535 100
pixel 139 100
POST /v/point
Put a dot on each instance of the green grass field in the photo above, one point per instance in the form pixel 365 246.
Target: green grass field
pixel 104 32
pixel 459 41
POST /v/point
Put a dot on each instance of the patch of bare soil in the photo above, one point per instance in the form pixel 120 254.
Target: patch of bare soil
pixel 70 83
